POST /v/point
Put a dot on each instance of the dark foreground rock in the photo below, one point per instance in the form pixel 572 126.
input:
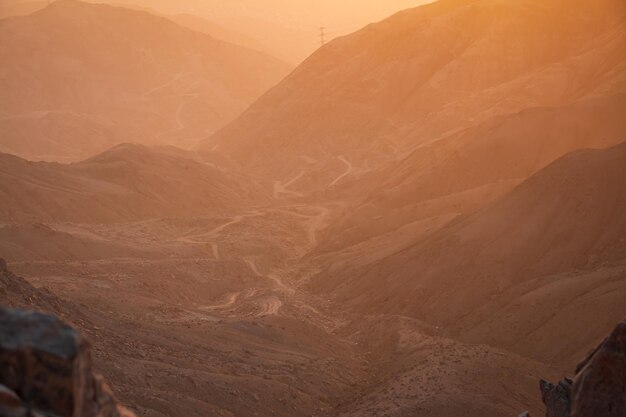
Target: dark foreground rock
pixel 599 388
pixel 45 370
pixel 557 398
pixel 600 385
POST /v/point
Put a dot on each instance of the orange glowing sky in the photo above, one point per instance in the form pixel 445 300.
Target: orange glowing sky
pixel 297 14
pixel 301 17
pixel 291 27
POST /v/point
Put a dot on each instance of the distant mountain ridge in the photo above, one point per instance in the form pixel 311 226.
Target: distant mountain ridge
pixel 424 74
pixel 217 31
pixel 79 78
pixel 125 183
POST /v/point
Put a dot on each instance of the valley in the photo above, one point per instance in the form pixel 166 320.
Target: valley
pixel 241 330
pixel 423 218
pixel 79 78
pixel 233 293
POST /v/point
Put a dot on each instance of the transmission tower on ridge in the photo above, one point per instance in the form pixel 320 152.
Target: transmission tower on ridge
pixel 322 35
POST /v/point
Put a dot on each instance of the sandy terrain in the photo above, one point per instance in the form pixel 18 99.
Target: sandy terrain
pixel 182 331
pixel 193 335
pixel 401 227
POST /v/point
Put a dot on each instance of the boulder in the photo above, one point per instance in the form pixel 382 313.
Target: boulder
pixel 599 388
pixel 11 405
pixel 557 398
pixel 9 401
pixel 48 365
pixel 600 385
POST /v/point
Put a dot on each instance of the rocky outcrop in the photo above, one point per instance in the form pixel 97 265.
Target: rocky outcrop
pixel 600 385
pixel 599 388
pixel 557 398
pixel 45 370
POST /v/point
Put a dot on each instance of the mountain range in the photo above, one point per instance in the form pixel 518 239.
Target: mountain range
pixel 79 78
pixel 425 217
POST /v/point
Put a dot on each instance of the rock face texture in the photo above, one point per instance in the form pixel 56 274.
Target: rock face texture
pixel 599 388
pixel 557 398
pixel 45 370
pixel 600 385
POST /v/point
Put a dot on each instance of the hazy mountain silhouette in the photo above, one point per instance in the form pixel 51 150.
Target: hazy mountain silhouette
pixel 19 8
pixel 218 31
pixel 423 74
pixel 80 77
pixel 125 183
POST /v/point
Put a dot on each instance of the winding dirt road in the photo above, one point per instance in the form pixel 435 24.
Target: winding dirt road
pixel 176 77
pixel 210 237
pixel 349 169
pixel 231 299
pixel 316 223
pixel 274 291
pixel 280 188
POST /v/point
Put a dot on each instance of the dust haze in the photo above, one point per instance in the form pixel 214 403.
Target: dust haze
pixel 357 208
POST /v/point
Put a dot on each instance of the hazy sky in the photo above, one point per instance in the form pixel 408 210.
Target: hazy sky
pixel 299 14
pixel 290 27
pixel 294 24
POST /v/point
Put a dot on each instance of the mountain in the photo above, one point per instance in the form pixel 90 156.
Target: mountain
pixel 217 31
pixel 423 74
pixel 125 183
pixel 10 8
pixel 468 169
pixel 290 29
pixel 550 252
pixel 79 78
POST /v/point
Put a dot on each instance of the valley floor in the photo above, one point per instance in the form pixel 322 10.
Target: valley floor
pixel 209 317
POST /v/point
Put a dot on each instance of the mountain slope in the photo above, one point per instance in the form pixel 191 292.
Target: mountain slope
pixel 217 31
pixel 560 235
pixel 125 183
pixel 424 73
pixel 462 172
pixel 78 70
pixel 10 8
